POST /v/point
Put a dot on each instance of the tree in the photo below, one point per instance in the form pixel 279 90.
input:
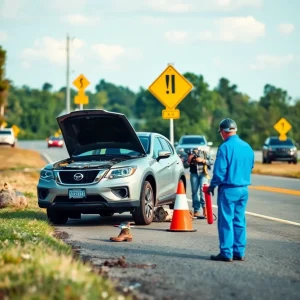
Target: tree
pixel 4 84
pixel 47 87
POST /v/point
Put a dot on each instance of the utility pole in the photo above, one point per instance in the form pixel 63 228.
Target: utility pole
pixel 68 76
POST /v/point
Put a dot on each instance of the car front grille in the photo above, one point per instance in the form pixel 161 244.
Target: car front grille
pixel 78 177
pixel 88 199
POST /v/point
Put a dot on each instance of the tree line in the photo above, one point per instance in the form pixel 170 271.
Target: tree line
pixel 34 111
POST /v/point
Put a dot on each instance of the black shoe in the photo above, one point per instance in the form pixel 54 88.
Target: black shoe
pixel 219 257
pixel 240 258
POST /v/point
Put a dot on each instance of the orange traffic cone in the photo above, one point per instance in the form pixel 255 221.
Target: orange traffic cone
pixel 181 220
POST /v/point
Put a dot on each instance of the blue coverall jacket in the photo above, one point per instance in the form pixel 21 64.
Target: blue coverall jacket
pixel 232 175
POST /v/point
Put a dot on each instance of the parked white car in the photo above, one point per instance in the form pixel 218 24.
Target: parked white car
pixel 7 137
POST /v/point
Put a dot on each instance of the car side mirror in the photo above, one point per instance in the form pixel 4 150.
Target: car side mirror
pixel 163 154
pixel 209 144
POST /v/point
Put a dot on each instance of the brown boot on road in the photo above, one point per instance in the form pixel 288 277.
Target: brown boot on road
pixel 124 236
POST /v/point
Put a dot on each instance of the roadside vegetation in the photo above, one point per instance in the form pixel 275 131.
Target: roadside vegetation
pixel 34 264
pixel 278 169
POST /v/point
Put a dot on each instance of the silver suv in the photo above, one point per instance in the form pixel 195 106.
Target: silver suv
pixel 7 137
pixel 111 169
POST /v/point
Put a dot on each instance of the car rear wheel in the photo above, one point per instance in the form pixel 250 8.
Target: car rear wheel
pixel 295 161
pixel 143 215
pixel 106 213
pixel 57 217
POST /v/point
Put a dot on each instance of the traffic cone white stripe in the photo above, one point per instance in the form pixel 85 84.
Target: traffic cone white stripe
pixel 181 202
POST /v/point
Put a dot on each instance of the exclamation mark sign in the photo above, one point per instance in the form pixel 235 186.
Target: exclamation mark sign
pixel 173 84
pixel 167 83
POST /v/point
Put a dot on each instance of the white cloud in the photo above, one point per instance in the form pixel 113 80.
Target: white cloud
pixel 183 6
pixel 171 6
pixel 266 61
pixel 235 29
pixel 149 20
pixel 52 50
pixel 176 36
pixel 80 20
pixel 11 9
pixel 286 28
pixel 3 36
pixel 108 53
pixel 67 5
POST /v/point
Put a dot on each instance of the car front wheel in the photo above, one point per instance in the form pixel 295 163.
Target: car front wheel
pixel 143 215
pixel 57 217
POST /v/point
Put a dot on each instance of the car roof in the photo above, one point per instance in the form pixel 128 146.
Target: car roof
pixel 277 138
pixel 193 135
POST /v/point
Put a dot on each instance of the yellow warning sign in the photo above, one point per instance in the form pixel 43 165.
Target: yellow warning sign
pixel 282 127
pixel 81 82
pixel 170 88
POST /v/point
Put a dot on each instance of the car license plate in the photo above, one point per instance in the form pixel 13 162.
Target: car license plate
pixel 77 194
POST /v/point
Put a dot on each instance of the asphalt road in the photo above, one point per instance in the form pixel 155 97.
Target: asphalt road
pixel 183 269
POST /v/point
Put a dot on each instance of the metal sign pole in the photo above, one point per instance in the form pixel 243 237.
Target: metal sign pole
pixel 81 106
pixel 172 131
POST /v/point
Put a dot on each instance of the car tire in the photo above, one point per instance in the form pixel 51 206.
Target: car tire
pixel 263 160
pixel 13 145
pixel 295 161
pixel 143 215
pixel 56 217
pixel 268 160
pixel 106 213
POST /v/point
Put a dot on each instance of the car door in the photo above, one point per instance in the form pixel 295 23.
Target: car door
pixel 161 170
pixel 265 148
pixel 172 162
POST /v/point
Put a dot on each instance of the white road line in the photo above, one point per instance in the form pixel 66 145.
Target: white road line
pixel 47 158
pixel 264 217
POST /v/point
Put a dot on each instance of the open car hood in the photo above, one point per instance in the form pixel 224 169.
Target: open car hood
pixel 86 130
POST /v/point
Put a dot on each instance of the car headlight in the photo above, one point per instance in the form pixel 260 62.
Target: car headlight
pixel 50 142
pixel 60 142
pixel 120 172
pixel 293 149
pixel 47 174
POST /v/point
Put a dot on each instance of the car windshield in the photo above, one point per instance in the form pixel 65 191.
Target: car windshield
pixel 5 132
pixel 277 142
pixel 53 138
pixel 193 140
pixel 110 151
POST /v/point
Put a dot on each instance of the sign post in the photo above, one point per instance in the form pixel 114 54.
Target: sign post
pixel 283 127
pixel 81 83
pixel 170 88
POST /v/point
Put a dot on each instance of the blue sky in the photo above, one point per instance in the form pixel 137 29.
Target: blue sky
pixel 130 42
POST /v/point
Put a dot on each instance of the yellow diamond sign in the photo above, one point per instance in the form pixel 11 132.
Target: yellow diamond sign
pixel 170 88
pixel 282 127
pixel 81 82
pixel 16 130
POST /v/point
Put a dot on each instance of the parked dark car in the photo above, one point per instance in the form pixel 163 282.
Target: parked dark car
pixel 276 150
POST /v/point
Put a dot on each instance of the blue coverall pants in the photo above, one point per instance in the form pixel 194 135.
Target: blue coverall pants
pixel 232 203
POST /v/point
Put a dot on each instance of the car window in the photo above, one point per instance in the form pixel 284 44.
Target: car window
pixel 5 132
pixel 145 142
pixel 193 140
pixel 156 147
pixel 277 142
pixel 166 145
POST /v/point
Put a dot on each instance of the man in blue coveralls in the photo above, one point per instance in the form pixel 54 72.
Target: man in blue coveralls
pixel 232 175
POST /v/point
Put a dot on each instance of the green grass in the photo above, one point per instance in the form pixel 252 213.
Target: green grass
pixel 36 265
